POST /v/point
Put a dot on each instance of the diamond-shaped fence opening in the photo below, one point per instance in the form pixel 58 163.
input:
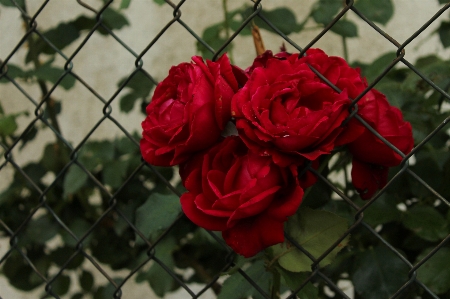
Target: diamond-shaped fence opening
pixel 83 216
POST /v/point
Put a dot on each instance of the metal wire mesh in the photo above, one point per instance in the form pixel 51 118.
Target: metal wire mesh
pixel 113 209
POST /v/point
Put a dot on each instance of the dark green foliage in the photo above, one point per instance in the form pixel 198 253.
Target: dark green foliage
pixel 379 12
pixel 138 86
pixel 379 273
pixel 20 3
pixel 345 28
pixel 324 11
pixel 236 286
pixel 444 34
pixel 283 19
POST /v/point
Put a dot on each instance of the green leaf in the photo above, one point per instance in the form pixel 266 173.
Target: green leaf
pixel 78 227
pixel 14 71
pixel 393 93
pixel 380 11
pixel 157 213
pixel 444 33
pixel 29 136
pixel 77 296
pixel 372 71
pixel 86 280
pixel 213 37
pixel 127 102
pixel 42 229
pixel 159 2
pixel 341 209
pixel 84 23
pixel 435 273
pixel 435 70
pixel 382 211
pixel 114 19
pixel 52 74
pixel 426 222
pixel 61 36
pixel 282 18
pixel 159 280
pixel 21 3
pixel 74 179
pixel 140 85
pixel 51 151
pixel 324 11
pixel 126 146
pixel 107 291
pixel 294 280
pixel 114 173
pixel 315 231
pixel 379 273
pixel 124 4
pixel 445 187
pixel 61 285
pixel 8 124
pixel 96 153
pixel 429 170
pixel 345 28
pixel 237 286
pixel 19 273
pixel 318 194
pixel 62 254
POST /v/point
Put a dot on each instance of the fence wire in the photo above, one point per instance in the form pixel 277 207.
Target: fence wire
pixel 41 118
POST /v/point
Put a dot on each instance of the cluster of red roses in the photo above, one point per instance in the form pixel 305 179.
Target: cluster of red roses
pixel 247 184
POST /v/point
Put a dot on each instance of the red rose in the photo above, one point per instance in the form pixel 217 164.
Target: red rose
pixel 285 110
pixel 370 150
pixel 242 194
pixel 368 178
pixel 188 111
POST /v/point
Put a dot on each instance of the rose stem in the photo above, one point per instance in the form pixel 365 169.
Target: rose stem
pixel 276 284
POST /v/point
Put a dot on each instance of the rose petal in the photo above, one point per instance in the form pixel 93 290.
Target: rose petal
pixel 199 217
pixel 368 178
pixel 250 236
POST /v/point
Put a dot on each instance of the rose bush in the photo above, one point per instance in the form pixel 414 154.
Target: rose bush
pixel 288 112
pixel 371 156
pixel 188 111
pixel 242 194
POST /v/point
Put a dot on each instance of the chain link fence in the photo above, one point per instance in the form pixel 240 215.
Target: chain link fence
pixel 40 198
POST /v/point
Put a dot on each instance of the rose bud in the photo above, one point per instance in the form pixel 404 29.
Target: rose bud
pixel 371 156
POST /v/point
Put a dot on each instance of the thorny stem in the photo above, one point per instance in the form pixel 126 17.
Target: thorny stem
pixel 277 257
pixel 347 187
pixel 276 284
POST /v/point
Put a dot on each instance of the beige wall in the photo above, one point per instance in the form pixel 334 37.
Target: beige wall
pixel 102 62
